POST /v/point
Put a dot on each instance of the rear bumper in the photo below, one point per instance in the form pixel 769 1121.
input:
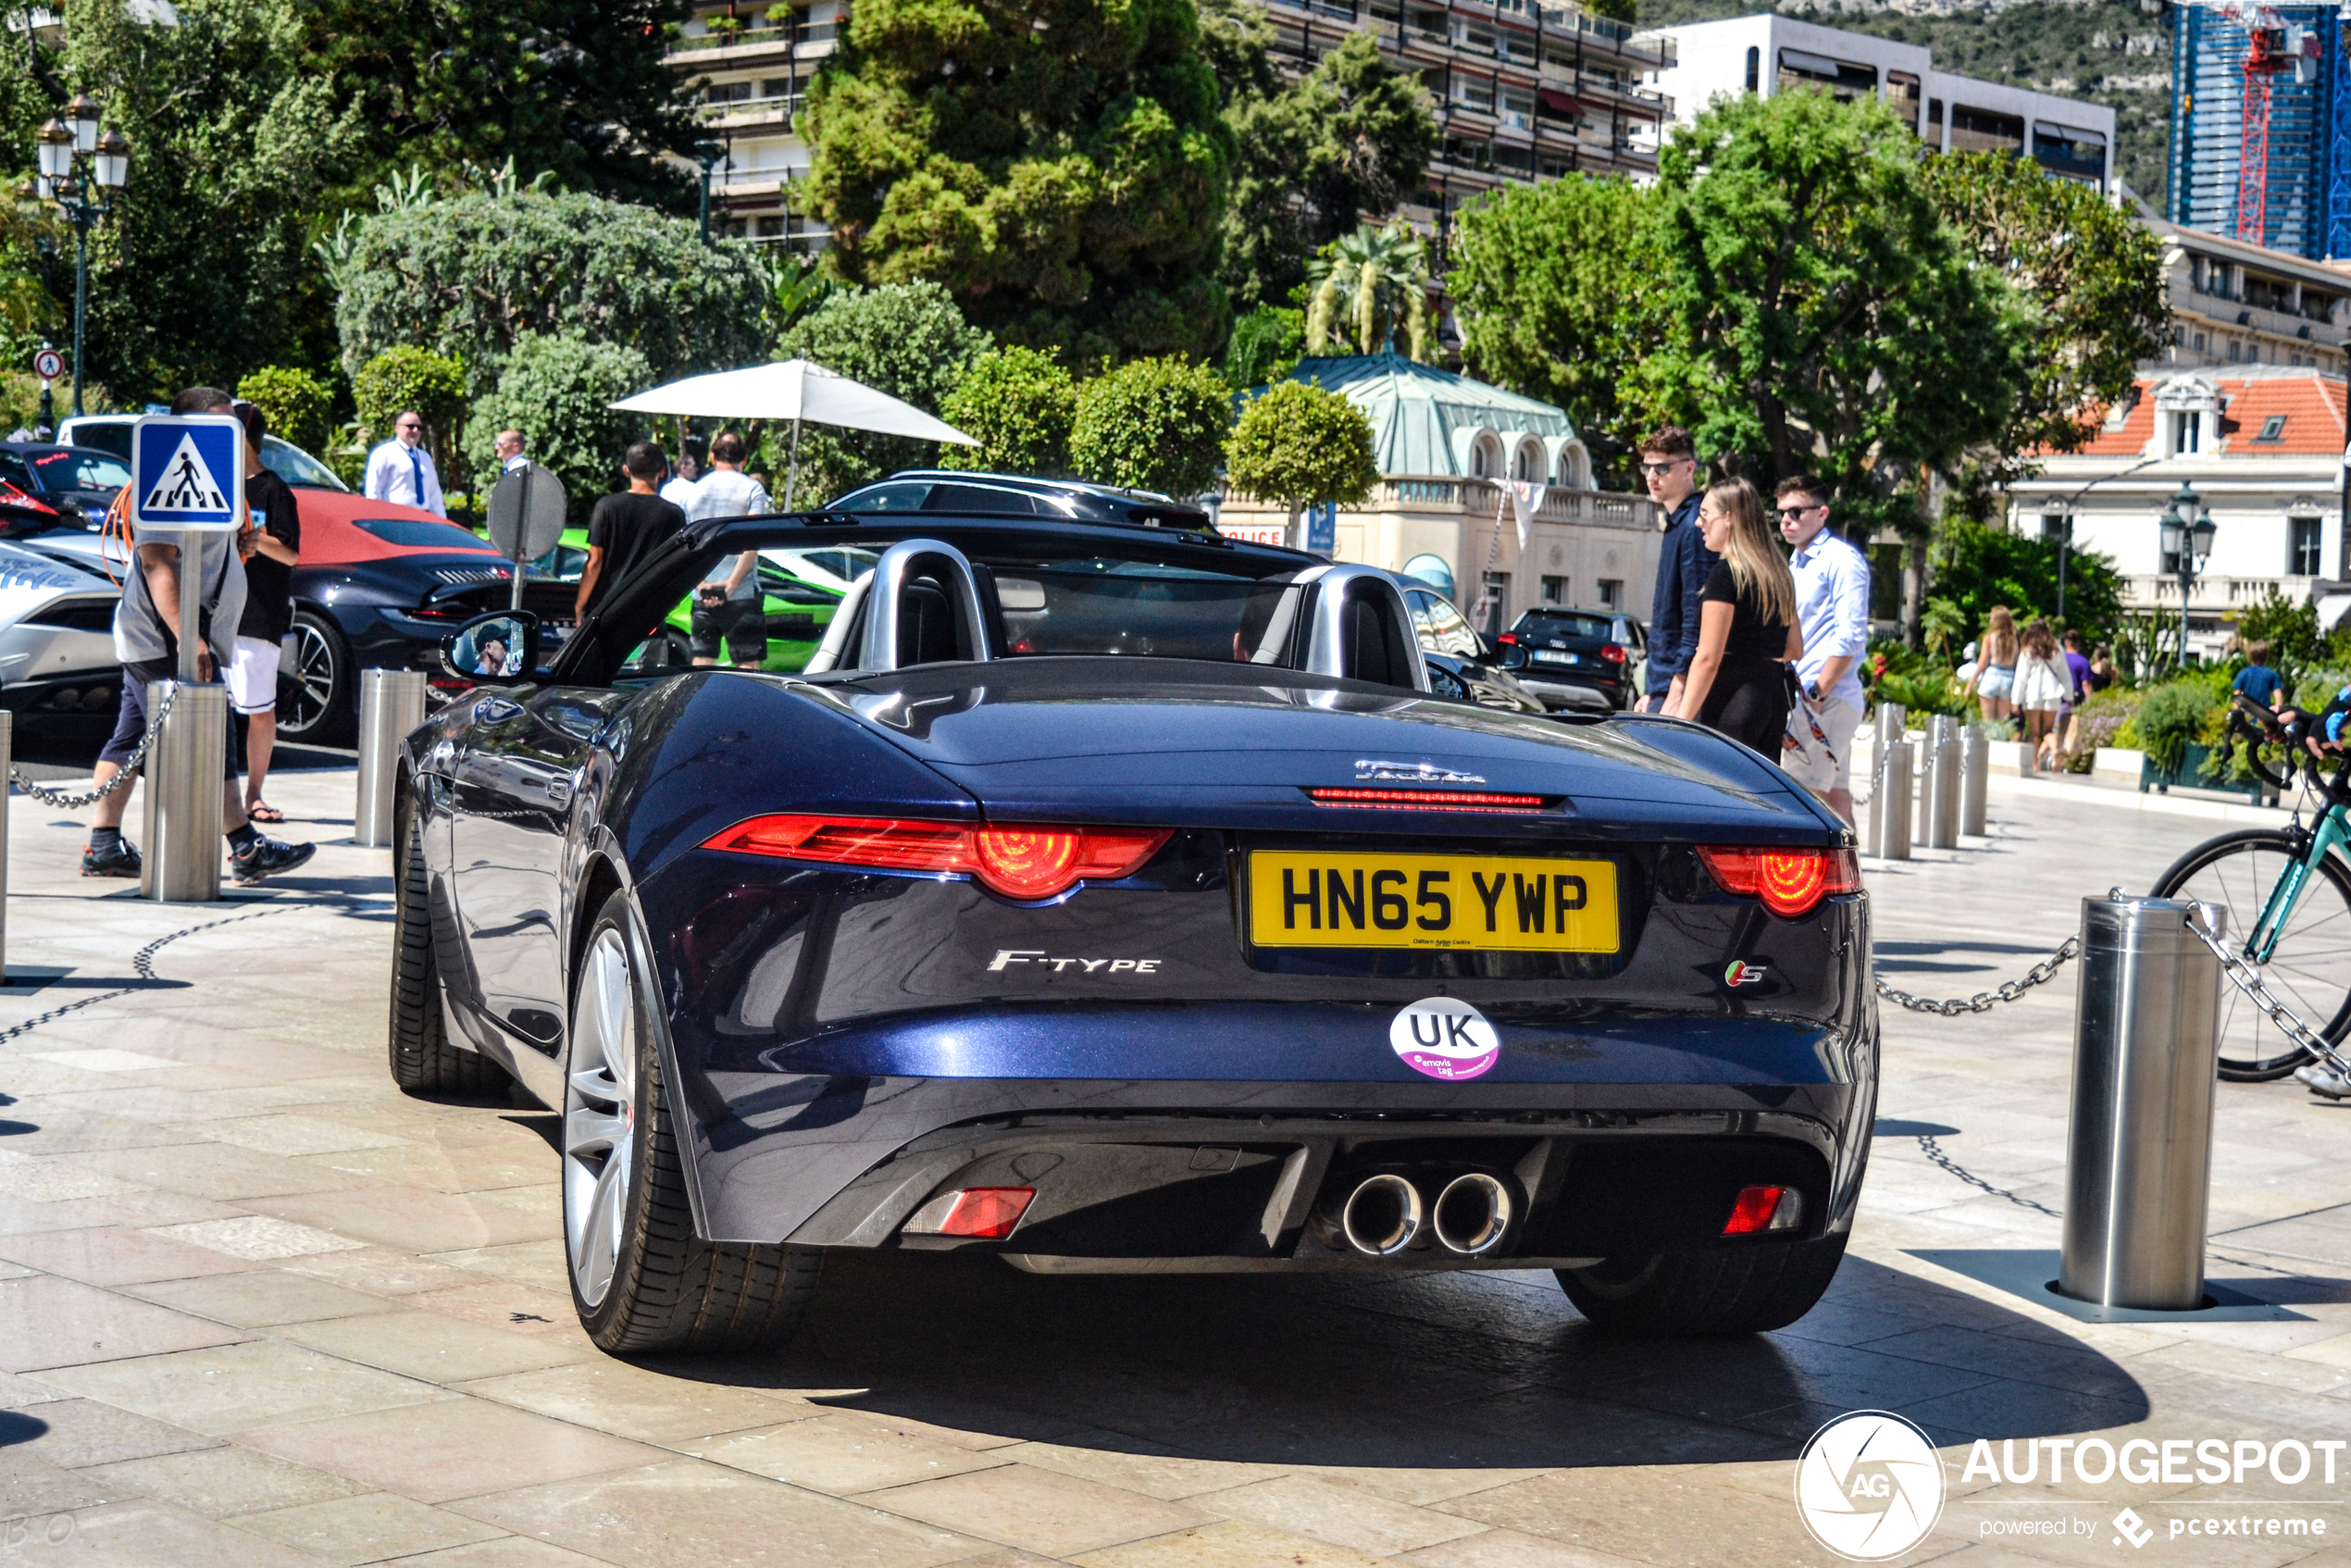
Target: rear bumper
pixel 1559 690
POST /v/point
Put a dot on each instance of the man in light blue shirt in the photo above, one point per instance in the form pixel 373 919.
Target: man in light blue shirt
pixel 1833 611
pixel 401 469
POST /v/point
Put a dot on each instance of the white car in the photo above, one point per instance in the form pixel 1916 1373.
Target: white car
pixel 58 666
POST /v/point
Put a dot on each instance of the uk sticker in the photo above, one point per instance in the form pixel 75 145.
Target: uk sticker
pixel 1446 1038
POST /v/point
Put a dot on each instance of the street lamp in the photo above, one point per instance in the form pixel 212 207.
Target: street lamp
pixel 78 165
pixel 2186 535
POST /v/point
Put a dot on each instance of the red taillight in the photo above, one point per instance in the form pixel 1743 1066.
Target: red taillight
pixel 982 1214
pixel 1020 862
pixel 14 496
pixel 1613 653
pixel 1764 1208
pixel 1427 800
pixel 1508 640
pixel 1788 881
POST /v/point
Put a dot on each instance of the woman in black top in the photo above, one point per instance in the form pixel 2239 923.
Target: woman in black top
pixel 1747 633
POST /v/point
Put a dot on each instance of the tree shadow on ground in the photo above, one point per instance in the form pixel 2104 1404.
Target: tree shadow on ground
pixel 1443 1370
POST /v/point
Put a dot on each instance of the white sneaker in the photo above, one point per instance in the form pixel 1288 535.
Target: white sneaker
pixel 2323 1082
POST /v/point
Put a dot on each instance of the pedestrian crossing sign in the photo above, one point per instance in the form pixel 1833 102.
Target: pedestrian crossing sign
pixel 188 472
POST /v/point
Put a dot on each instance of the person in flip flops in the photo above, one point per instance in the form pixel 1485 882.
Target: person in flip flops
pixel 270 547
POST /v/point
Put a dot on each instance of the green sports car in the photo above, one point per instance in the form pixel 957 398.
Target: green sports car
pixel 800 588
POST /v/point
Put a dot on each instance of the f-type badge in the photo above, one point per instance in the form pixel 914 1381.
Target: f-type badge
pixel 1743 972
pixel 1370 770
pixel 1443 1038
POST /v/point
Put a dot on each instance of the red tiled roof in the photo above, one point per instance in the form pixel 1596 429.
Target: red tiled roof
pixel 2312 402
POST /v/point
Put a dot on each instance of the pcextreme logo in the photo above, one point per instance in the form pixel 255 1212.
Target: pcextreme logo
pixel 1869 1486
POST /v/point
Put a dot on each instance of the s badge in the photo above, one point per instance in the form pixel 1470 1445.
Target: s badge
pixel 1742 972
pixel 1443 1038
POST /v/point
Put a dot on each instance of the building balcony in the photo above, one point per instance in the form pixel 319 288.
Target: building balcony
pixel 767 47
pixel 754 114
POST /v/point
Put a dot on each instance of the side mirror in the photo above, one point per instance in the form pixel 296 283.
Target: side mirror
pixel 500 646
pixel 1513 656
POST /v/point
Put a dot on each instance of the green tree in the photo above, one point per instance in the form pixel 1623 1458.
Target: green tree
pixel 908 339
pixel 1264 344
pixel 297 405
pixel 1060 165
pixel 1369 287
pixel 1350 138
pixel 559 388
pixel 1300 446
pixel 1153 424
pixel 1556 288
pixel 432 384
pixel 1019 404
pixel 577 89
pixel 472 274
pixel 1977 567
pixel 202 272
pixel 2289 629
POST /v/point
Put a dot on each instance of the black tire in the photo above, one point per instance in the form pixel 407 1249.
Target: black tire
pixel 1691 1292
pixel 641 1280
pixel 423 1060
pixel 313 697
pixel 2311 966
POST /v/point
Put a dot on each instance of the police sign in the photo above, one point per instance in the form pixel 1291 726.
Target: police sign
pixel 188 473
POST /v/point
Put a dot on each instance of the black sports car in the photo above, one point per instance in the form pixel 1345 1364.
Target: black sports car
pixel 1117 897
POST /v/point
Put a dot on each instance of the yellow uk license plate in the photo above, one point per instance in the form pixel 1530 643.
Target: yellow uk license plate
pixel 1487 903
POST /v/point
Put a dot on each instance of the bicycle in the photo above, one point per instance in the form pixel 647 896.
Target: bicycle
pixel 2287 891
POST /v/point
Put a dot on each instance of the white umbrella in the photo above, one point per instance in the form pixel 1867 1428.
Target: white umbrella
pixel 795 390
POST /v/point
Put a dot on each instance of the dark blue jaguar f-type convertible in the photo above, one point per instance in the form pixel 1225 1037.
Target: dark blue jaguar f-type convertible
pixel 1115 897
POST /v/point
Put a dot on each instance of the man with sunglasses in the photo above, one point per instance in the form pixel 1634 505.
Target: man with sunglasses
pixel 1669 466
pixel 401 469
pixel 1833 611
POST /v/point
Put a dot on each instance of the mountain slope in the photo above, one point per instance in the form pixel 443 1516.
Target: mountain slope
pixel 2111 52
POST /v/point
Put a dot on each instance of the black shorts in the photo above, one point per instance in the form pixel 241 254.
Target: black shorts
pixel 743 624
pixel 131 718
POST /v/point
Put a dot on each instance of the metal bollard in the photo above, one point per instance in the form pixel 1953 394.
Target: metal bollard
pixel 7 759
pixel 392 703
pixel 186 771
pixel 1890 719
pixel 2139 1143
pixel 1975 780
pixel 1889 823
pixel 1938 827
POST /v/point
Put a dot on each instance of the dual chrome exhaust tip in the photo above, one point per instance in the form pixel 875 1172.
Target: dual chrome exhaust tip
pixel 1385 1213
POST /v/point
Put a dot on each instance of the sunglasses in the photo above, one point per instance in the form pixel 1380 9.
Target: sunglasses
pixel 1783 512
pixel 1667 467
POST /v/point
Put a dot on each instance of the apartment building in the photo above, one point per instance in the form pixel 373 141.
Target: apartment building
pixel 1522 90
pixel 1954 114
pixel 2239 303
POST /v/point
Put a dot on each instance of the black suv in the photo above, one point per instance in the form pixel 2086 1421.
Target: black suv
pixel 1574 658
pixel 1017 495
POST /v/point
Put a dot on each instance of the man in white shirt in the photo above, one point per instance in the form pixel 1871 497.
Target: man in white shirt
pixel 1833 611
pixel 401 469
pixel 680 491
pixel 728 603
pixel 509 451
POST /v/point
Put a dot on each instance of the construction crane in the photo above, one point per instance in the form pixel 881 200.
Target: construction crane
pixel 2273 48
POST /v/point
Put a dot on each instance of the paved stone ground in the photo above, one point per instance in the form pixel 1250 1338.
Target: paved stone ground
pixel 258 1309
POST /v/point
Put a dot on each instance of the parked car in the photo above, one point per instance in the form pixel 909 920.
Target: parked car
pixel 56 484
pixel 378 585
pixel 111 433
pixel 1575 658
pixel 1121 900
pixel 59 674
pixel 1017 495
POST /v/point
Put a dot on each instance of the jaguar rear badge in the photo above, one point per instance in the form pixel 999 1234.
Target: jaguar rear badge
pixel 1742 972
pixel 1444 1037
pixel 1370 770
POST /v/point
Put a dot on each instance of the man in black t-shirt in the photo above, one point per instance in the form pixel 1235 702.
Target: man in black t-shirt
pixel 270 547
pixel 626 527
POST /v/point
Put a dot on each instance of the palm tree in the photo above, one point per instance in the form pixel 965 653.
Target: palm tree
pixel 1379 278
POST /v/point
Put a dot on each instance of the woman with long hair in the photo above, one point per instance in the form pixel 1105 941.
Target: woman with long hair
pixel 1993 683
pixel 1747 630
pixel 2044 685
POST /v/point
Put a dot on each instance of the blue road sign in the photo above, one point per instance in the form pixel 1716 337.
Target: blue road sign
pixel 1321 528
pixel 188 473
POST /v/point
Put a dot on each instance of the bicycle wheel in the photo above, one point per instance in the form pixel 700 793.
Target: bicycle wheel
pixel 2309 969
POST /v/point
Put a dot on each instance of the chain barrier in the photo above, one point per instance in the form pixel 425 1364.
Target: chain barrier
pixel 1984 1001
pixel 2243 975
pixel 63 801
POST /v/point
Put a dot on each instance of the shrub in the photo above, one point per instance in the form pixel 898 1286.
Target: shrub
pixel 1019 404
pixel 1298 445
pixel 1153 424
pixel 557 391
pixel 908 339
pixel 2104 717
pixel 296 403
pixel 2291 629
pixel 2170 716
pixel 433 385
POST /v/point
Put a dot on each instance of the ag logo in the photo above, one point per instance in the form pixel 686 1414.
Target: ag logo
pixel 1869 1486
pixel 1742 972
pixel 1445 1039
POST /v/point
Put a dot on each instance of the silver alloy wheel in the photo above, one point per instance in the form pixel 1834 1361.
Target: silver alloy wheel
pixel 600 1117
pixel 314 679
